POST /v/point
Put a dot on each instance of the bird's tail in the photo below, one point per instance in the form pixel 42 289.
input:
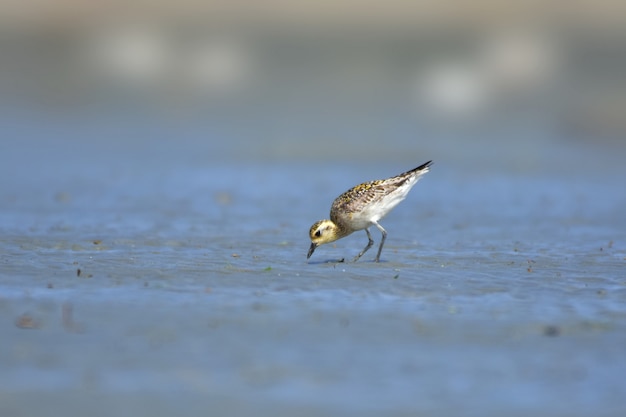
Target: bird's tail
pixel 422 169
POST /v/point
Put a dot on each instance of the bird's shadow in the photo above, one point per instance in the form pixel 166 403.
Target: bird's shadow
pixel 328 261
pixel 344 261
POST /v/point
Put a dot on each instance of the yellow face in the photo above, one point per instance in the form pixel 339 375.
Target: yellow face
pixel 323 231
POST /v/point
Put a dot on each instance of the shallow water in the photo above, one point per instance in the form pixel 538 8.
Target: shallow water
pixel 502 288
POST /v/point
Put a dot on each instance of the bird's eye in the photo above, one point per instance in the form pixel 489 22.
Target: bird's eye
pixel 318 233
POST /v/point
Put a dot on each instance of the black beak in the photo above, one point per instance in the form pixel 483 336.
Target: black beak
pixel 311 250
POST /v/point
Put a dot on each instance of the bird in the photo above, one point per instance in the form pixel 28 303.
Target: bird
pixel 364 206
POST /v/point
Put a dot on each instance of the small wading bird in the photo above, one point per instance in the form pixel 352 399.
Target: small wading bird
pixel 363 206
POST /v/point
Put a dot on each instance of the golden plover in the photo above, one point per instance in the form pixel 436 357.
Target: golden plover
pixel 363 206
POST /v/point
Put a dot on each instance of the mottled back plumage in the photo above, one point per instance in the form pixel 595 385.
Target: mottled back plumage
pixel 363 206
pixel 368 194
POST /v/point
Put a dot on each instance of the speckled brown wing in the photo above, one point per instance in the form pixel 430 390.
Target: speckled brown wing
pixel 355 199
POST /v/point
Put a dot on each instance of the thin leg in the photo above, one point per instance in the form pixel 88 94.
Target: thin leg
pixel 369 245
pixel 382 241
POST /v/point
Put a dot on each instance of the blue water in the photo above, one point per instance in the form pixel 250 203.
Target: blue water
pixel 502 288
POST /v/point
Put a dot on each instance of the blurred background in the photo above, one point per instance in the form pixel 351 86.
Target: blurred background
pixel 161 162
pixel 480 82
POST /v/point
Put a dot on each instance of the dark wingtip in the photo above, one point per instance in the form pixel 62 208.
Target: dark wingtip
pixel 425 165
pixel 422 167
pixel 414 170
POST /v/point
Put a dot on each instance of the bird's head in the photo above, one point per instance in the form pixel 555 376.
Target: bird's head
pixel 323 231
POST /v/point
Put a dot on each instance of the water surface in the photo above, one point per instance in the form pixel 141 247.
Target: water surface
pixel 152 278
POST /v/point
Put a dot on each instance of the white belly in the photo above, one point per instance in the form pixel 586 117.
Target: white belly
pixel 376 211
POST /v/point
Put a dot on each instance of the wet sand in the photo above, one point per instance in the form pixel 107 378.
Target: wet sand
pixel 181 286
